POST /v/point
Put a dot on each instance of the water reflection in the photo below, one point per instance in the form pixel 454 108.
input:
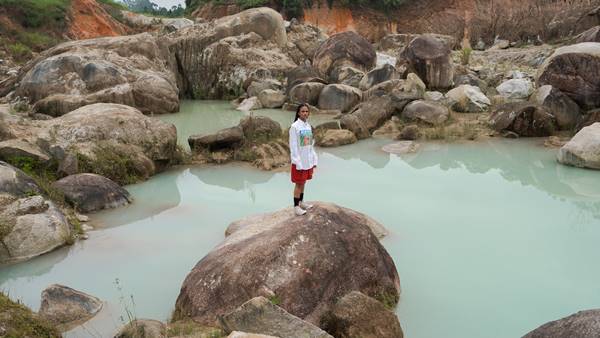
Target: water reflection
pixel 368 151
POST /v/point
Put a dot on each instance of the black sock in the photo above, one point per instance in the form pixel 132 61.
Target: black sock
pixel 302 196
pixel 296 201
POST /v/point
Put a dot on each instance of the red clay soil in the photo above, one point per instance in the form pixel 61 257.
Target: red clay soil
pixel 88 19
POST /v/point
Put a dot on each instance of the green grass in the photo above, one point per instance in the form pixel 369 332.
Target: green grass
pixel 19 51
pixel 39 13
pixel 19 321
pixel 114 4
pixel 111 162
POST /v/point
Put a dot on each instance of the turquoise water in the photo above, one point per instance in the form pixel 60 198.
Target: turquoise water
pixel 490 239
pixel 191 119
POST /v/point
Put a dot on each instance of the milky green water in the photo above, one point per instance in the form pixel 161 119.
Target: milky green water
pixel 490 239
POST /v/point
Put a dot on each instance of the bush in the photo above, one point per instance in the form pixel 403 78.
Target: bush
pixel 39 13
pixel 19 51
pixel 19 321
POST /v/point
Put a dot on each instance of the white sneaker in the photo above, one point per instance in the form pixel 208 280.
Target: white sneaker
pixel 299 211
pixel 305 206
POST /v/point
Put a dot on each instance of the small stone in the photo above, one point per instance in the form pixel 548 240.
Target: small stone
pixel 84 236
pixel 86 227
pixel 82 218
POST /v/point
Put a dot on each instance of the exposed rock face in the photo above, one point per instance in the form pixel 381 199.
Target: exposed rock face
pixel 335 138
pixel 307 38
pixel 344 49
pixel 430 59
pixel 583 150
pixel 111 128
pixel 591 35
pixel 516 88
pixel 573 70
pixel 132 70
pixel 301 74
pixel 31 226
pixel 589 118
pixel 385 73
pixel 583 324
pixel 339 97
pixel 91 192
pixel 350 76
pixel 216 59
pixel 468 99
pixel 62 305
pixel 565 110
pixel 307 263
pixel 260 316
pixel 256 87
pixel 146 22
pixel 223 139
pixel 307 92
pixel 357 315
pixel 426 111
pixel 525 119
pixel 143 328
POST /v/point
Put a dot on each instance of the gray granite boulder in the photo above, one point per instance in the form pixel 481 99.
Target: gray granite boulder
pixel 306 263
pixel 91 192
pixel 358 315
pixel 524 119
pixel 591 35
pixel 564 109
pixel 573 70
pixel 259 315
pixel 468 99
pixel 67 307
pixel 384 73
pixel 335 138
pixel 583 150
pixel 339 97
pixel 143 328
pixel 270 98
pixel 516 89
pixel 19 149
pixel 426 111
pixel 307 92
pixel 344 49
pixel 223 139
pixel 430 59
pixel 583 324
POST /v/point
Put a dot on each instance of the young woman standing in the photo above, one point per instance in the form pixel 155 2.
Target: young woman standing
pixel 303 156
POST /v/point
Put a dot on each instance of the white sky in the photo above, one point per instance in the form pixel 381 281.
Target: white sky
pixel 169 3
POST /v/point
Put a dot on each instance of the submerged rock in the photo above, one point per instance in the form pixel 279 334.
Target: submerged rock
pixel 583 324
pixel 583 150
pixel 91 192
pixel 259 315
pixel 357 315
pixel 305 262
pixel 67 307
pixel 402 147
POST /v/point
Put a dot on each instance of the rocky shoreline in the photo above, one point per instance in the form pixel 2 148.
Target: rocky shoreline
pixel 77 123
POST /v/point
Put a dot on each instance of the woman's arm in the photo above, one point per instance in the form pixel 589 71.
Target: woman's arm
pixel 294 151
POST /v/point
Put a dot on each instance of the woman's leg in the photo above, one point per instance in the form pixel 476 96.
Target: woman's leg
pixel 298 189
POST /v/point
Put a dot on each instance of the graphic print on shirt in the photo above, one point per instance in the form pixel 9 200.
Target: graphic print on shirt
pixel 305 137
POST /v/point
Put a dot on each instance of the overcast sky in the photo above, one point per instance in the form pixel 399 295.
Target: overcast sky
pixel 169 3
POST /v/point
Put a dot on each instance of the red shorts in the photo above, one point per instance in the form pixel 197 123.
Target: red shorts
pixel 301 176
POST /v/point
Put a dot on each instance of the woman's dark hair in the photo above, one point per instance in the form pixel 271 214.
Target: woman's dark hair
pixel 298 110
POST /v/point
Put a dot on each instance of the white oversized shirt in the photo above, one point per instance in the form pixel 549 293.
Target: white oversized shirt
pixel 302 152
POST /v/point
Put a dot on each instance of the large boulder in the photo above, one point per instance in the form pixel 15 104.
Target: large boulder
pixel 371 114
pixel 378 75
pixel 583 150
pixel 591 35
pixel 306 263
pixel 515 88
pixel 573 70
pixel 339 97
pixel 113 140
pixel 358 315
pixel 218 59
pixel 226 138
pixel 15 182
pixel 583 324
pixel 350 76
pixel 307 92
pixel 301 74
pixel 426 111
pixel 523 118
pixel 91 192
pixel 564 109
pixel 270 98
pixel 64 306
pixel 256 87
pixel 133 70
pixel 306 38
pixel 429 58
pixel 335 138
pixel 31 226
pixel 468 99
pixel 260 128
pixel 344 49
pixel 19 149
pixel 259 315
